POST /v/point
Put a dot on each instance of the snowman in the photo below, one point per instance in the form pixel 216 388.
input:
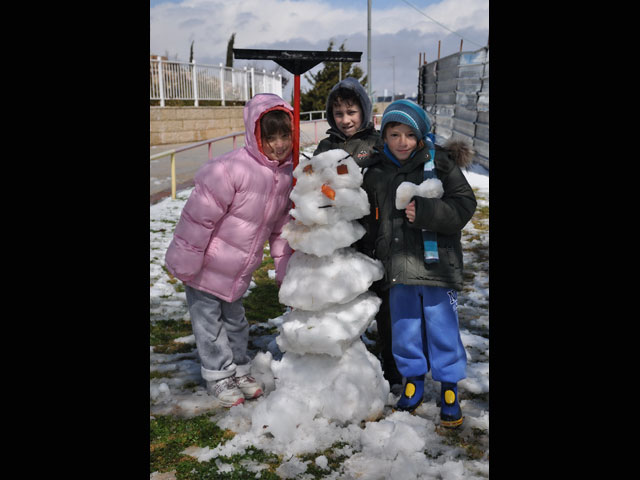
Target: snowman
pixel 325 371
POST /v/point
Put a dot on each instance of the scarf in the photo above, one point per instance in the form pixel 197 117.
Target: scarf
pixel 429 238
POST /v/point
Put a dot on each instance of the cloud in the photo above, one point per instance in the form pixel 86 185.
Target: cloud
pixel 397 31
pixel 191 23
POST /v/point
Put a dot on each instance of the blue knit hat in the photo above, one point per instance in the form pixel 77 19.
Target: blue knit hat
pixel 409 113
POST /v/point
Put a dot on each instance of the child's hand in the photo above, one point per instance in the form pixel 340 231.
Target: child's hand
pixel 411 211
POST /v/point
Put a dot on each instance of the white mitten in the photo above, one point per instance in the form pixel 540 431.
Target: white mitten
pixel 404 193
pixel 430 188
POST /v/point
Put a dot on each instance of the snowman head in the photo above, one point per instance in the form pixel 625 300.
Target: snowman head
pixel 327 189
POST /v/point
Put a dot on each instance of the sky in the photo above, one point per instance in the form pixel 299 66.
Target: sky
pixel 399 32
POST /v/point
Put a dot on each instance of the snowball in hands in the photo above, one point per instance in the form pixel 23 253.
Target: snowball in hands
pixel 430 188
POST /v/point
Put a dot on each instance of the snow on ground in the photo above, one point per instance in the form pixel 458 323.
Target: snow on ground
pixel 399 445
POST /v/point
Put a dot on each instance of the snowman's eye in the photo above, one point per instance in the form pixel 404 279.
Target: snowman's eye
pixel 308 169
pixel 342 169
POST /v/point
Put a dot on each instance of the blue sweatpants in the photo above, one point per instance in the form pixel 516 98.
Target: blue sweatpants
pixel 425 333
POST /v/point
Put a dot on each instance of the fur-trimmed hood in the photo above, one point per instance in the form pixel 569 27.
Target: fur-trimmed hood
pixel 460 151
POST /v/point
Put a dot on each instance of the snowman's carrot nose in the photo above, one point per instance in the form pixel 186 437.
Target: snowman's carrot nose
pixel 329 192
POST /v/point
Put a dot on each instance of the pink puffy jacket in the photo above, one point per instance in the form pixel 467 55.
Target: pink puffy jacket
pixel 240 200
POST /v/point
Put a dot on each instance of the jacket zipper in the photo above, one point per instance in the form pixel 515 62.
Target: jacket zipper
pixel 375 201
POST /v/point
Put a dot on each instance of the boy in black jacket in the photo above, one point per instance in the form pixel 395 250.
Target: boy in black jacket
pixel 349 115
pixel 420 247
pixel 349 112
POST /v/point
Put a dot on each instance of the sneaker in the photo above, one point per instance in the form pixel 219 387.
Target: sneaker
pixel 226 392
pixel 412 395
pixel 249 387
pixel 450 411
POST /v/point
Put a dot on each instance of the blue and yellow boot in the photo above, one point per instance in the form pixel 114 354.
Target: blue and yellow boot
pixel 412 395
pixel 450 412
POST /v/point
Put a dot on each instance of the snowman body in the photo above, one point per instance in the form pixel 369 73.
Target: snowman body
pixel 325 370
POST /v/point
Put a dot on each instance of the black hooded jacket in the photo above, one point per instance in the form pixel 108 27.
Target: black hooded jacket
pixel 360 145
pixel 396 242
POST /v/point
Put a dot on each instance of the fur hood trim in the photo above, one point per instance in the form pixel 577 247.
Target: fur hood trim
pixel 460 151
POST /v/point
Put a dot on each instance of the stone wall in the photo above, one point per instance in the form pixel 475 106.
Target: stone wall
pixel 170 125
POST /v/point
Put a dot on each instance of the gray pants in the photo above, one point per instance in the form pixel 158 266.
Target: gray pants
pixel 222 333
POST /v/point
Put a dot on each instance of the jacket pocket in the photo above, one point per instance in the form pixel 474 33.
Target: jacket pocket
pixel 452 258
pixel 382 248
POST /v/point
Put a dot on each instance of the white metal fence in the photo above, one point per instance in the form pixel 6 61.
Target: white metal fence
pixel 191 81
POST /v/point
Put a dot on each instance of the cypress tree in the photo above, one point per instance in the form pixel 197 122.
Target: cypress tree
pixel 230 50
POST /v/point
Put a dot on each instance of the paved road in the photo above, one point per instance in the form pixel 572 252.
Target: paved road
pixel 189 161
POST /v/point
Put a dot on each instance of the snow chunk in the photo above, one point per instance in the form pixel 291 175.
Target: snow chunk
pixel 322 240
pixel 346 389
pixel 330 331
pixel 314 283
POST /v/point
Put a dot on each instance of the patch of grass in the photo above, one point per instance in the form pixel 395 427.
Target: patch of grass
pixel 156 374
pixel 167 221
pixel 190 386
pixel 479 225
pixel 482 212
pixel 466 395
pixel 471 444
pixel 162 334
pixel 173 347
pixel 480 218
pixel 334 460
pixel 178 286
pixel 272 461
pixel 171 435
pixel 262 303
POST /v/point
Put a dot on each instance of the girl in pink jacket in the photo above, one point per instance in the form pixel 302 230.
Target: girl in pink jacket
pixel 240 200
